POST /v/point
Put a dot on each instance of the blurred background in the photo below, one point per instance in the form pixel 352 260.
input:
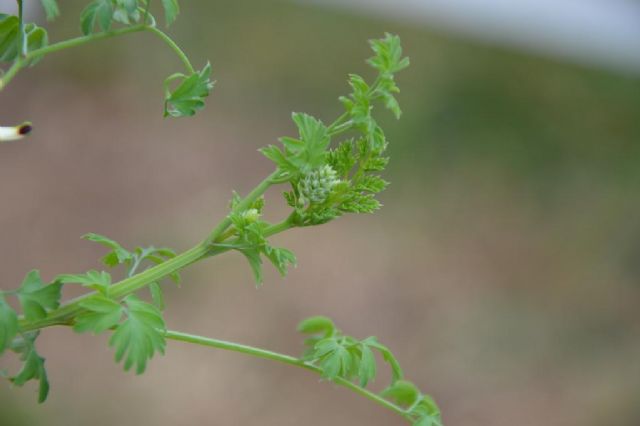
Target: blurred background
pixel 503 270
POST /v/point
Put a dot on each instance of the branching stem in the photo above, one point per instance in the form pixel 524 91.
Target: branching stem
pixel 66 313
pixel 23 60
pixel 285 359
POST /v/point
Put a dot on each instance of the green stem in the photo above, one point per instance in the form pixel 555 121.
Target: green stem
pixel 22 61
pixel 23 35
pixel 62 45
pixel 285 359
pixel 66 313
pixel 172 44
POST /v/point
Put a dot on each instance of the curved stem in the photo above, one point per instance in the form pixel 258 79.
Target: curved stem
pixel 285 359
pixel 23 60
pixel 172 44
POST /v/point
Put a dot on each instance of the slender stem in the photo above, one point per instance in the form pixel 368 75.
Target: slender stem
pixel 23 60
pixel 66 44
pixel 285 359
pixel 172 44
pixel 79 41
pixel 23 36
pixel 65 314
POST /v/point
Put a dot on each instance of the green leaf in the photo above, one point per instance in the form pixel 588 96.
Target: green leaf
pixel 32 367
pixel 140 336
pixel 36 298
pixel 360 203
pixel 276 155
pixel 50 9
pixel 388 54
pixel 98 14
pixel 336 359
pixel 116 256
pixel 358 104
pixel 317 325
pixel 8 324
pixel 188 97
pixel 427 411
pixel 342 159
pixel 253 257
pixel 315 140
pixel 387 355
pixel 281 258
pixel 367 371
pixel 402 392
pixel 371 183
pixel 103 314
pixel 126 12
pixel 10 38
pixel 171 10
pixel 93 279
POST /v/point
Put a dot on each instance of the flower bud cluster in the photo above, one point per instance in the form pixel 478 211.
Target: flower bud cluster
pixel 317 185
pixel 250 216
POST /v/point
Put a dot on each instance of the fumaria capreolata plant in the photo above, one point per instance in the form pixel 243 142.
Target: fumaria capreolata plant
pixel 324 181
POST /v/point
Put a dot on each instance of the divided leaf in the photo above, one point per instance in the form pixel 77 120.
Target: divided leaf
pixel 344 356
pixel 8 324
pixel 32 367
pixel 171 10
pixel 36 297
pixel 10 46
pixel 116 256
pixel 140 336
pixel 317 325
pixel 281 258
pixel 97 15
pixel 388 55
pixel 188 97
pixel 423 408
pixel 51 9
pixel 95 280
pixel 103 314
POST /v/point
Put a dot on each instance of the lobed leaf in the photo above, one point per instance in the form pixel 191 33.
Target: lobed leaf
pixel 140 336
pixel 388 54
pixel 32 367
pixel 126 11
pixel 51 9
pixel 281 258
pixel 116 256
pixel 171 10
pixel 97 280
pixel 188 97
pixel 97 15
pixel 317 325
pixel 8 324
pixel 10 47
pixel 36 297
pixel 103 314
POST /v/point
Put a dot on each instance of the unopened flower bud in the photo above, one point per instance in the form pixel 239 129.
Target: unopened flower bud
pixel 318 184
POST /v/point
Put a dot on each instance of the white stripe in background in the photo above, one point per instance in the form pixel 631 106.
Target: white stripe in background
pixel 603 33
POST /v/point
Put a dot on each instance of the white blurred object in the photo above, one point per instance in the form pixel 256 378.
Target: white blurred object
pixel 593 32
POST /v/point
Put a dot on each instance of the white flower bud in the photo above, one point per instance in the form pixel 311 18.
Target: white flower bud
pixel 14 132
